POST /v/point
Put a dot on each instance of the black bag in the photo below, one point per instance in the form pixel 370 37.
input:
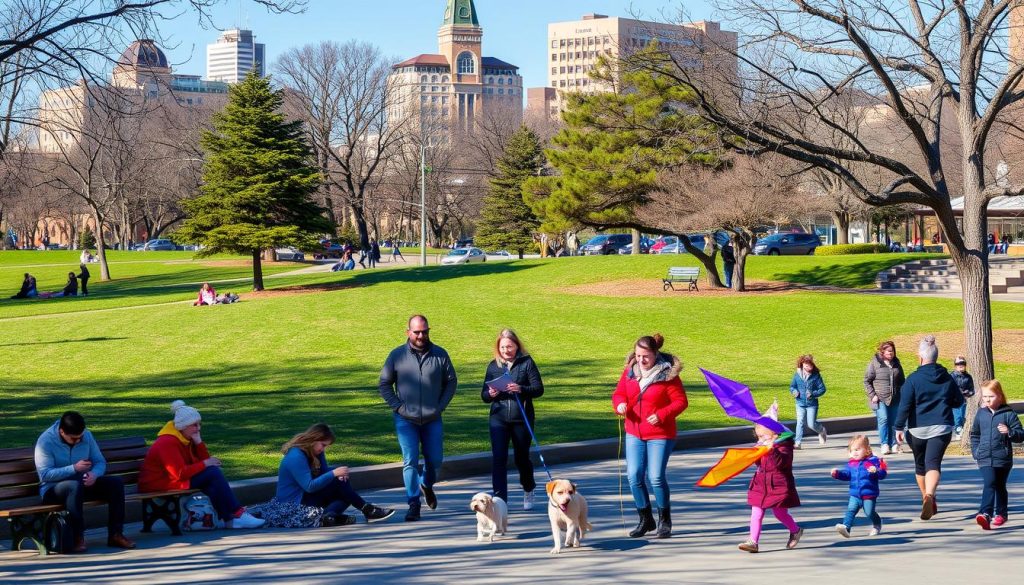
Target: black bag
pixel 57 536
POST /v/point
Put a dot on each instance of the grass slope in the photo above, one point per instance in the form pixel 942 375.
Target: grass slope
pixel 268 367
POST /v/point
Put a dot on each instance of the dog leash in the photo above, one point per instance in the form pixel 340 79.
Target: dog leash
pixel 526 421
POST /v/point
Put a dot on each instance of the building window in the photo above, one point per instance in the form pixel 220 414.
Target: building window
pixel 561 43
pixel 554 70
pixel 554 44
pixel 510 81
pixel 554 56
pixel 444 79
pixel 501 81
pixel 466 64
pixel 423 79
pixel 444 100
pixel 561 83
pixel 561 56
pixel 501 91
pixel 560 69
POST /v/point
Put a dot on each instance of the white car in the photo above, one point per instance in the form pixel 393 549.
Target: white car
pixel 289 253
pixel 464 256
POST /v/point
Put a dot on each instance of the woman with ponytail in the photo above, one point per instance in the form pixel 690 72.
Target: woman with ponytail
pixel 650 396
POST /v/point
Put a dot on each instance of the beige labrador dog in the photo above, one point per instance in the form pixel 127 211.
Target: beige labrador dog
pixel 567 511
pixel 491 516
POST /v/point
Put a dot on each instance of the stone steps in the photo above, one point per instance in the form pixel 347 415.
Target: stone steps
pixel 1005 276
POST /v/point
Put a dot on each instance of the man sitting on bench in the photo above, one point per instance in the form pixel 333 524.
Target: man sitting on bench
pixel 71 468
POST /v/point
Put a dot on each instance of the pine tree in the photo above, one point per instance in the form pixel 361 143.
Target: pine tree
pixel 506 220
pixel 258 180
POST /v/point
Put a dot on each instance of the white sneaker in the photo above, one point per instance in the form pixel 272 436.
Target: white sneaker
pixel 886 450
pixel 875 531
pixel 528 500
pixel 247 520
pixel 843 530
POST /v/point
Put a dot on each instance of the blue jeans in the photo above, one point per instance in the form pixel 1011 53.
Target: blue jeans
pixel 211 482
pixel 73 492
pixel 869 510
pixel 334 498
pixel 648 458
pixel 959 414
pixel 727 269
pixel 806 416
pixel 411 437
pixel 886 415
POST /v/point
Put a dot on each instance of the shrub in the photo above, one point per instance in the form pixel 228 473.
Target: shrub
pixel 843 249
pixel 86 239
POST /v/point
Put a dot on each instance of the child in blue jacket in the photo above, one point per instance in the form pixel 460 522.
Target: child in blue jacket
pixel 863 471
pixel 996 427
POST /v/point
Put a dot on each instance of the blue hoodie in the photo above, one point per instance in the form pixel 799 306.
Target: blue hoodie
pixel 295 477
pixel 863 484
pixel 55 459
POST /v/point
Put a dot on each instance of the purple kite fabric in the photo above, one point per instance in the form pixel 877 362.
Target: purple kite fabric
pixel 737 401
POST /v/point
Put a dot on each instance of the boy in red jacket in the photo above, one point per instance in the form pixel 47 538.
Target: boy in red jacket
pixel 179 460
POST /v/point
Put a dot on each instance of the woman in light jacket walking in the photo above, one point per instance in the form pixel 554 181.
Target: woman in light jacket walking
pixel 882 382
pixel 806 387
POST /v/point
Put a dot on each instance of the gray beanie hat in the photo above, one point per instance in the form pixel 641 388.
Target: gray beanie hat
pixel 184 415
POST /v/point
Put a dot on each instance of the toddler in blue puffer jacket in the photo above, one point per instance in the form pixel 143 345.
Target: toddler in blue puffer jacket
pixel 863 471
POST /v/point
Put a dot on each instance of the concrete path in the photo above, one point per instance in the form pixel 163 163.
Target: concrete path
pixel 709 524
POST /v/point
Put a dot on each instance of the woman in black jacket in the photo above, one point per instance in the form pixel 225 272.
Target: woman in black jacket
pixel 508 403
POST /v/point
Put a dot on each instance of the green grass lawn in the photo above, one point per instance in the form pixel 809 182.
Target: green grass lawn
pixel 266 368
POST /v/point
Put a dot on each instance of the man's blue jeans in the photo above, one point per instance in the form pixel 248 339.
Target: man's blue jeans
pixel 959 414
pixel 648 458
pixel 211 481
pixel 411 437
pixel 869 510
pixel 727 270
pixel 886 415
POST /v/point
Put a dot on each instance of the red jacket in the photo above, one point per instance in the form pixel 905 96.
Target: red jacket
pixel 171 462
pixel 664 397
pixel 773 484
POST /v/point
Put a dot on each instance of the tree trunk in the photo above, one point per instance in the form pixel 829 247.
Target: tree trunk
pixel 257 270
pixel 710 269
pixel 101 246
pixel 636 242
pixel 842 221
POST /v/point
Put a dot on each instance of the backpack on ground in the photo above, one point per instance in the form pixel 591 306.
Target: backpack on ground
pixel 197 513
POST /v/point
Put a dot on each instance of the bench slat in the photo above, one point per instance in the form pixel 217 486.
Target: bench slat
pixel 17 466
pixel 23 478
pixel 22 491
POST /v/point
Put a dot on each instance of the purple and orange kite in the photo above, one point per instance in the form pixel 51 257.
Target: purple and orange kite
pixel 737 401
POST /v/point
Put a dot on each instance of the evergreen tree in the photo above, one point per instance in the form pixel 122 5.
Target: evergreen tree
pixel 506 220
pixel 258 180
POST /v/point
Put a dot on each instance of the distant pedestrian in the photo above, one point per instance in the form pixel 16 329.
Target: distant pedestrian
pixel 649 396
pixel 418 382
pixel 965 383
pixel 996 427
pixel 927 400
pixel 396 253
pixel 374 254
pixel 83 275
pixel 806 387
pixel 728 263
pixel 506 421
pixel 773 487
pixel 863 471
pixel 882 383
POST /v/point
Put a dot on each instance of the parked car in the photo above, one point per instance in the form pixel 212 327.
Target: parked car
pixel 289 253
pixel 464 256
pixel 787 244
pixel 157 246
pixel 628 248
pixel 502 254
pixel 464 243
pixel 605 244
pixel 663 241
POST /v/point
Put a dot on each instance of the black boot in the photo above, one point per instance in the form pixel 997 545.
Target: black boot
pixel 664 522
pixel 646 523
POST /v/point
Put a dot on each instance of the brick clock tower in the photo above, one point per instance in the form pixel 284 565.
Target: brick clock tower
pixel 460 40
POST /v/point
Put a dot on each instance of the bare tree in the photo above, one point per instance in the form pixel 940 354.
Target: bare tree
pixel 935 68
pixel 345 98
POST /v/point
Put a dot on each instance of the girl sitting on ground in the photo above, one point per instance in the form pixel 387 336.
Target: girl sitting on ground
pixel 207 296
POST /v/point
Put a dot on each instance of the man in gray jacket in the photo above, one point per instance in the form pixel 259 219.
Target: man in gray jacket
pixel 417 382
pixel 71 469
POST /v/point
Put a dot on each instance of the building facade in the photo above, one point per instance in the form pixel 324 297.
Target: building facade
pixel 573 49
pixel 234 55
pixel 453 88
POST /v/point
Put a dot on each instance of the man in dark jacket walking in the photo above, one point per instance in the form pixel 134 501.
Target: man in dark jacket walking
pixel 728 263
pixel 84 277
pixel 927 400
pixel 418 382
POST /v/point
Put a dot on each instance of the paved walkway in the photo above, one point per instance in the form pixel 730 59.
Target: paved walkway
pixel 708 524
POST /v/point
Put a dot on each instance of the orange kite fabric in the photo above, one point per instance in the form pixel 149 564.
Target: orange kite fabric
pixel 733 463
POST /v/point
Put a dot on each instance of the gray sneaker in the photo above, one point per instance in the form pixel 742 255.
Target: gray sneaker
pixel 843 530
pixel 528 500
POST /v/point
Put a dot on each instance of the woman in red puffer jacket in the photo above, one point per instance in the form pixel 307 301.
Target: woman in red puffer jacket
pixel 650 396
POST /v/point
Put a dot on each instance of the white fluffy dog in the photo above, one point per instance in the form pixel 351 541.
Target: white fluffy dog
pixel 491 516
pixel 567 511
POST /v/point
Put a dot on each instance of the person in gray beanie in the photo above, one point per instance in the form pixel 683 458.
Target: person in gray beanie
pixel 179 460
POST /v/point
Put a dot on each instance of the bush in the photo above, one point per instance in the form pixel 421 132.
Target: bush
pixel 843 249
pixel 86 239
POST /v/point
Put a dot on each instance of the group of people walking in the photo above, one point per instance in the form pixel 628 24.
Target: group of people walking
pixel 418 381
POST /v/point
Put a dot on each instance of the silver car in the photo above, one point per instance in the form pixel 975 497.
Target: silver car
pixel 464 256
pixel 157 246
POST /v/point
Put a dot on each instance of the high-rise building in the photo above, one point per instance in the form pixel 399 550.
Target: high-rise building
pixel 574 47
pixel 233 55
pixel 459 85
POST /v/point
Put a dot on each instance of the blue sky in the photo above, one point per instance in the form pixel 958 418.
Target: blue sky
pixel 514 30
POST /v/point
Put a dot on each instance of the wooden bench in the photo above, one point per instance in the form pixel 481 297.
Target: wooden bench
pixel 687 274
pixel 40 523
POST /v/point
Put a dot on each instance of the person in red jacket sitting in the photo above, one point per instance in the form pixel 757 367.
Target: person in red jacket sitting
pixel 179 460
pixel 650 396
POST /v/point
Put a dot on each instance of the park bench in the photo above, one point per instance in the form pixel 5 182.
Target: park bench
pixel 687 274
pixel 42 523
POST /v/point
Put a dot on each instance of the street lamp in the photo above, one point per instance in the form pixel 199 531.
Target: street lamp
pixel 423 204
